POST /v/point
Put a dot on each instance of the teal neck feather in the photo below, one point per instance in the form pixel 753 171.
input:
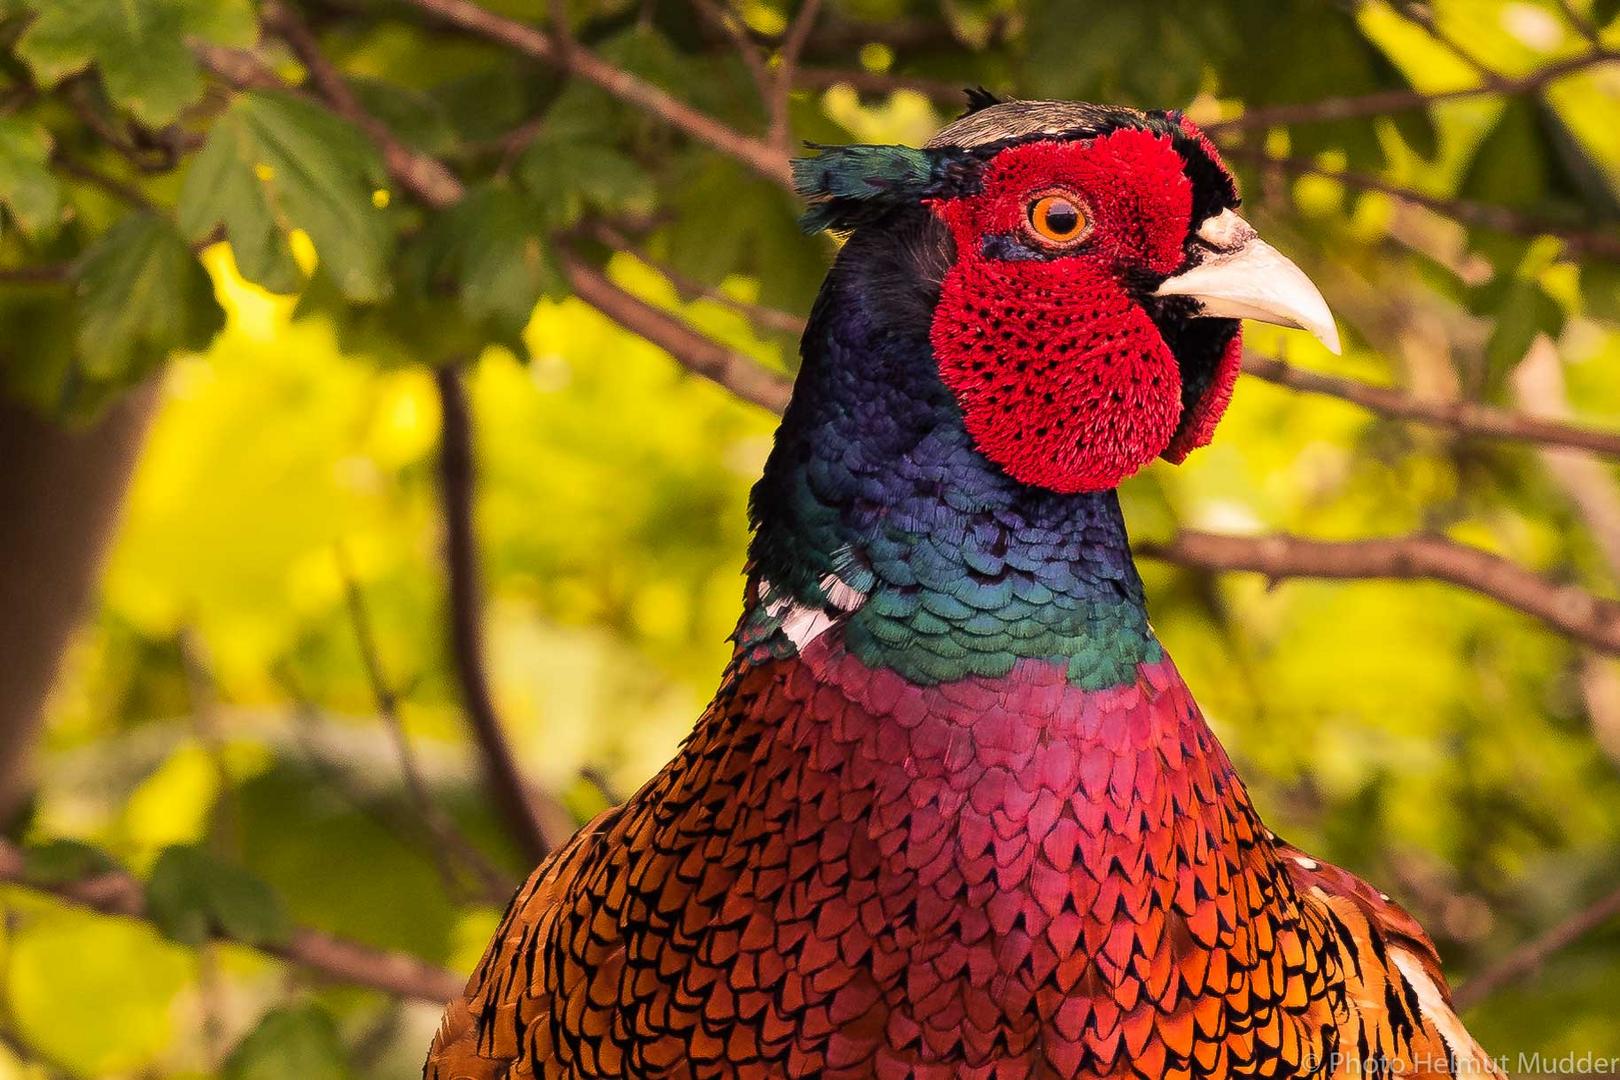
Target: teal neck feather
pixel 875 499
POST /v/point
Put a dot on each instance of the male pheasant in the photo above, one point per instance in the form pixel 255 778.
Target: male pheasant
pixel 953 813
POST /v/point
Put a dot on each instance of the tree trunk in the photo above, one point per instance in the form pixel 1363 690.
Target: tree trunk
pixel 60 493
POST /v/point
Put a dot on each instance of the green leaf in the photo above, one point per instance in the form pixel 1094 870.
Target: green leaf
pixel 1604 11
pixel 273 164
pixel 1525 311
pixel 1530 159
pixel 569 177
pixel 191 896
pixel 295 1042
pixel 1600 290
pixel 416 117
pixel 56 862
pixel 141 296
pixel 138 46
pixel 492 251
pixel 27 187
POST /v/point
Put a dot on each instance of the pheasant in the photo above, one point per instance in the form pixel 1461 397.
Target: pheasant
pixel 953 812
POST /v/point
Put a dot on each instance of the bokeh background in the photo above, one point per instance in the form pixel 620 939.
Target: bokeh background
pixel 258 256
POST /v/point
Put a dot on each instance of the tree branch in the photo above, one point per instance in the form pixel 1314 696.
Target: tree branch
pixel 1582 24
pixel 759 156
pixel 780 132
pixel 448 843
pixel 1463 417
pixel 1567 609
pixel 238 68
pixel 725 20
pixel 1388 101
pixel 947 94
pixel 766 318
pixel 1467 211
pixel 695 351
pixel 1422 15
pixel 511 792
pixel 423 176
pixel 1528 957
pixel 337 958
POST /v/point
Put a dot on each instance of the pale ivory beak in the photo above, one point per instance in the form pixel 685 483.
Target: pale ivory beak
pixel 1242 277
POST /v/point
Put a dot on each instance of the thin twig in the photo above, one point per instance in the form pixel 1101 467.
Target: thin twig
pixel 1464 417
pixel 948 94
pixel 310 721
pixel 1583 25
pixel 1389 101
pixel 237 68
pixel 753 57
pixel 424 176
pixel 448 842
pixel 1523 961
pixel 339 959
pixel 758 155
pixel 1568 609
pixel 41 274
pixel 780 131
pixel 766 318
pixel 113 186
pixel 511 792
pixel 1467 211
pixel 697 352
pixel 1422 15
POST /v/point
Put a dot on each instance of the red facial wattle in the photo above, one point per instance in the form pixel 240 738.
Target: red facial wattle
pixel 1063 377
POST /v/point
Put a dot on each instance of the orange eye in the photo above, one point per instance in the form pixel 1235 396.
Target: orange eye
pixel 1058 219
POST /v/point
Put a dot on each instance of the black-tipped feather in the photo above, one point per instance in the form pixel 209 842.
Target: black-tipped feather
pixel 979 98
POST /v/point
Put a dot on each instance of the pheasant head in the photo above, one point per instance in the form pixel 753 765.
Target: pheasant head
pixel 1087 319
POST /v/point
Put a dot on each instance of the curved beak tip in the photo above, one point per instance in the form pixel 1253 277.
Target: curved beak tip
pixel 1328 335
pixel 1253 280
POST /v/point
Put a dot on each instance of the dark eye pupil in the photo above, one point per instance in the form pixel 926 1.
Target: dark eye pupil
pixel 1062 218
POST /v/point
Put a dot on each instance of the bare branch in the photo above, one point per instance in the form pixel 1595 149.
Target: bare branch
pixel 759 156
pixel 339 959
pixel 1388 101
pixel 111 185
pixel 1468 212
pixel 695 351
pixel 421 175
pixel 238 68
pixel 781 135
pixel 1583 25
pixel 1464 417
pixel 766 318
pixel 512 794
pixel 447 841
pixel 753 57
pixel 1567 609
pixel 944 93
pixel 38 274
pixel 1422 15
pixel 1523 961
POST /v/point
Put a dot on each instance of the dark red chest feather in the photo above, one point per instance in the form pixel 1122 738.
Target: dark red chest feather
pixel 848 875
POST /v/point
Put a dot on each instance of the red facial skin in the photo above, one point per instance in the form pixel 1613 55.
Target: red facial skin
pixel 1063 378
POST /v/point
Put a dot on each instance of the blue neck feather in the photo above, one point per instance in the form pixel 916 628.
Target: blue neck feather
pixel 875 482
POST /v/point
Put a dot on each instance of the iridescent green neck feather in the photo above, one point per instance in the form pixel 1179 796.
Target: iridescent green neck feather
pixel 877 512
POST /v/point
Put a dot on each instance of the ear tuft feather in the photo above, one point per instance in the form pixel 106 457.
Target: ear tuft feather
pixel 850 185
pixel 979 99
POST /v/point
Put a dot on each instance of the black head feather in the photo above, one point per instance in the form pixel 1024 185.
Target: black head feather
pixel 979 98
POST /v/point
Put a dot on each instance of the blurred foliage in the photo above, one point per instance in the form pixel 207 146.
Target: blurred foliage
pixel 217 733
